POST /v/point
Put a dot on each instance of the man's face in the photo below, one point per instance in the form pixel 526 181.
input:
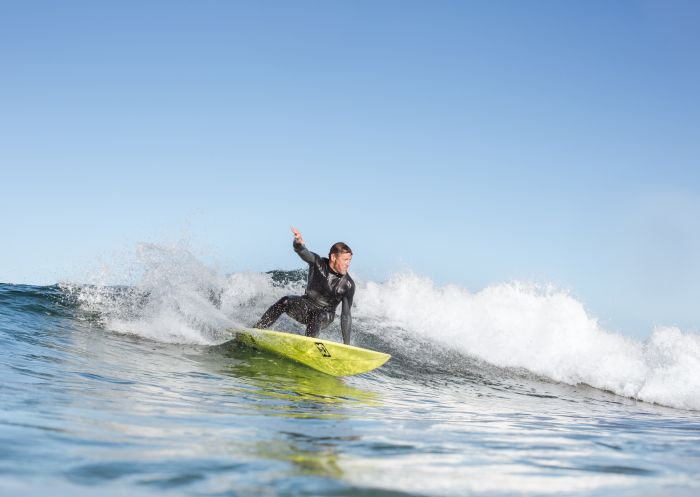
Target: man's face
pixel 340 263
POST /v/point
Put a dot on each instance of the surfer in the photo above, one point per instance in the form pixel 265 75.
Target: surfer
pixel 328 285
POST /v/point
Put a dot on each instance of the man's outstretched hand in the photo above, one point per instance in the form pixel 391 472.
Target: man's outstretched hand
pixel 297 236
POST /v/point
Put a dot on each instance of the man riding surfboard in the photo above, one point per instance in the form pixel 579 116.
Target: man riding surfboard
pixel 328 285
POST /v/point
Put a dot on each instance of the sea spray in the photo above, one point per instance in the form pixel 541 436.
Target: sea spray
pixel 173 297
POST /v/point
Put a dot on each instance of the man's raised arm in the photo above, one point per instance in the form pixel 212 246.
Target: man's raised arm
pixel 300 248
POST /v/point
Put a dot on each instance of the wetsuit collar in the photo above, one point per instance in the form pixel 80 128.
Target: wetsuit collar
pixel 330 268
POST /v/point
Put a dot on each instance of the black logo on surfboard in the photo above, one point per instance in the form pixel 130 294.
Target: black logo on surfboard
pixel 322 349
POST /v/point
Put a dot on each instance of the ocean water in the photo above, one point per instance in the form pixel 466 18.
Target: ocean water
pixel 511 390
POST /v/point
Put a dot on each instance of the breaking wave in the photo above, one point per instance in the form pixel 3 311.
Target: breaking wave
pixel 178 299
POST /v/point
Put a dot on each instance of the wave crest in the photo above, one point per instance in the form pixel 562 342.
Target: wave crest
pixel 543 330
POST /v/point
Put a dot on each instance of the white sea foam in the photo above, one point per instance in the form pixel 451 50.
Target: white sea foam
pixel 543 330
pixel 514 325
pixel 175 299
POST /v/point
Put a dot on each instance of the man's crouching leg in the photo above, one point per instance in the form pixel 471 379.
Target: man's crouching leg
pixel 319 321
pixel 273 313
pixel 313 328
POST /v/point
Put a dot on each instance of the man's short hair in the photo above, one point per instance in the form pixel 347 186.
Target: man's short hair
pixel 339 248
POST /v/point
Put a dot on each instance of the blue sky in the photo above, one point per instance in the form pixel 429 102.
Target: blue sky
pixel 470 142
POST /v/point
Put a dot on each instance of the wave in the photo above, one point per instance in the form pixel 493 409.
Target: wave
pixel 29 299
pixel 541 329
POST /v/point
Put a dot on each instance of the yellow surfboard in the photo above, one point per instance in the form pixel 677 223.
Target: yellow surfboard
pixel 327 356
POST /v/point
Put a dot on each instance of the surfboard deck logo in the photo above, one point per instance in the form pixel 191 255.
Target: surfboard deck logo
pixel 322 349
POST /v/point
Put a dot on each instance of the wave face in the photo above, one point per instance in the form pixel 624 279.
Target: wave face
pixel 514 325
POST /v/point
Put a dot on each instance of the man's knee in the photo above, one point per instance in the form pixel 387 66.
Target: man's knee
pixel 273 313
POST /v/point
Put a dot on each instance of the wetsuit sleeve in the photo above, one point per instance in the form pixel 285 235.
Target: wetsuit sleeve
pixel 304 253
pixel 346 317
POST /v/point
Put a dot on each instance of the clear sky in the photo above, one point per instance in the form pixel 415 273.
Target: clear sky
pixel 470 142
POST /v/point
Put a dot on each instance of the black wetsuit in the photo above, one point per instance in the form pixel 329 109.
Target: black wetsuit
pixel 325 289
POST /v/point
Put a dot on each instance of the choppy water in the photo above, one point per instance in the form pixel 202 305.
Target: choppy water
pixel 512 390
